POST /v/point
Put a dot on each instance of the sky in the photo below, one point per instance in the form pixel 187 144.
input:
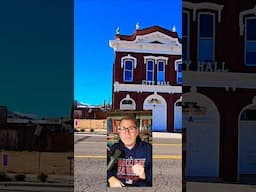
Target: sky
pixel 36 57
pixel 95 23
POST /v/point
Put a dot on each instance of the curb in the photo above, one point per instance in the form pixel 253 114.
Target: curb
pixel 33 184
pixel 154 135
pixel 167 135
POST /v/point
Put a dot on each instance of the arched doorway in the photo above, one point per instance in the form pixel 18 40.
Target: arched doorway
pixel 178 115
pixel 158 105
pixel 201 119
pixel 246 141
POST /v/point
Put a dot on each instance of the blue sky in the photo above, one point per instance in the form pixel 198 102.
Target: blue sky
pixel 95 24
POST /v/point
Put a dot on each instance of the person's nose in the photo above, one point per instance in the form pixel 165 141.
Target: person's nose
pixel 127 131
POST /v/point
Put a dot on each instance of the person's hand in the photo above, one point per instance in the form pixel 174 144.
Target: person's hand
pixel 139 171
pixel 114 182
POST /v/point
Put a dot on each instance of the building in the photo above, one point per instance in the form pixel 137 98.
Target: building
pixel 219 85
pixel 19 131
pixel 86 111
pixel 147 75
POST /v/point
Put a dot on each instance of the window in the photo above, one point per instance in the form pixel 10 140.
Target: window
pixel 179 74
pixel 250 41
pixel 185 35
pixel 206 33
pixel 128 70
pixel 127 103
pixel 249 115
pixel 178 69
pixel 150 70
pixel 161 71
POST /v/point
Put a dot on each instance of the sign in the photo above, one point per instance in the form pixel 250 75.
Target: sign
pixel 145 82
pixel 207 66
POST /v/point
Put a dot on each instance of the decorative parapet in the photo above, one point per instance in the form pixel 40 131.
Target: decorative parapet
pixel 144 44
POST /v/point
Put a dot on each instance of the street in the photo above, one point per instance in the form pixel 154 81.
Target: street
pixel 90 165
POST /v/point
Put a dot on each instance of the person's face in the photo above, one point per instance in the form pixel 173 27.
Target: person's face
pixel 128 137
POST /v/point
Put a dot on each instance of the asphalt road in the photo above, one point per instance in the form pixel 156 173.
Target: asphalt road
pixel 90 165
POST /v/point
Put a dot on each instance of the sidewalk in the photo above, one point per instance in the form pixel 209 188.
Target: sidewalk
pixel 55 183
pixel 154 134
pixel 57 179
pixel 219 187
pixel 167 135
pixel 34 187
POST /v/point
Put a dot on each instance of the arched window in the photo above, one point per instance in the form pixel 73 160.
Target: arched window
pixel 127 103
pixel 178 69
pixel 128 70
pixel 128 63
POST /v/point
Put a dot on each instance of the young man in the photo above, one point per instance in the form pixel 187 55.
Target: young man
pixel 134 165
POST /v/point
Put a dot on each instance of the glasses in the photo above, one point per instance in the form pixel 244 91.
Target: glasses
pixel 130 129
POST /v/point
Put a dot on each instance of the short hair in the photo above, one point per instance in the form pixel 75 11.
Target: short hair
pixel 131 118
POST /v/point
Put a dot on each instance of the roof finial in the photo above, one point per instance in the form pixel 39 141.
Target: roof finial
pixel 173 28
pixel 117 31
pixel 137 25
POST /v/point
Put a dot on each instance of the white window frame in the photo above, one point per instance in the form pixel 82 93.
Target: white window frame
pixel 134 65
pixel 164 64
pixel 147 70
pixel 245 40
pixel 124 70
pixel 128 106
pixel 198 33
pixel 177 63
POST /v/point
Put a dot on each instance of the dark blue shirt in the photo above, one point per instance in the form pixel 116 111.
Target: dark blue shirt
pixel 141 153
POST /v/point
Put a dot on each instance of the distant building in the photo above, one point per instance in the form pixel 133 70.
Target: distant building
pixel 147 75
pixel 85 111
pixel 19 131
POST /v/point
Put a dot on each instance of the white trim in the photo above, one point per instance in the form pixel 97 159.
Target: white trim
pixel 175 112
pixel 150 57
pixel 129 57
pixel 163 104
pixel 157 36
pixel 123 106
pixel 243 14
pixel 199 6
pixel 219 79
pixel 140 88
pixel 153 48
pixel 213 35
pixel 155 58
pixel 142 44
pixel 162 58
pixel 176 63
pixel 124 69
